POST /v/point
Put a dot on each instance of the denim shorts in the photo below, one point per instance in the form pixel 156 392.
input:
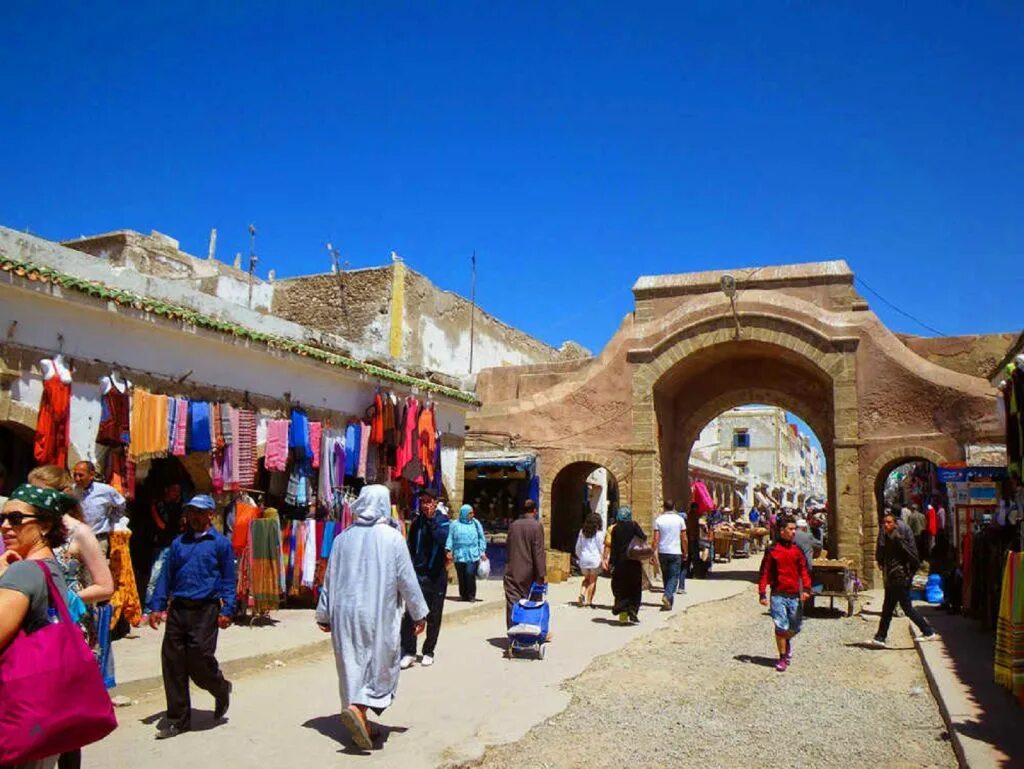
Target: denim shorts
pixel 787 614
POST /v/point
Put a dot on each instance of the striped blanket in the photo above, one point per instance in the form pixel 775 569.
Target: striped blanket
pixel 1009 653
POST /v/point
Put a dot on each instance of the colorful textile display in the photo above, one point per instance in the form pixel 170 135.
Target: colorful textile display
pixel 246 445
pixel 126 595
pixel 265 571
pixel 53 423
pixel 149 425
pixel 276 459
pixel 1009 653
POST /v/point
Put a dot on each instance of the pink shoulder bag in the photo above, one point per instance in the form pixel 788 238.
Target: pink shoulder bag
pixel 52 698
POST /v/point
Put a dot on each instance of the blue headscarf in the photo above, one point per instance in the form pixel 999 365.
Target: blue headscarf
pixel 464 512
pixel 624 514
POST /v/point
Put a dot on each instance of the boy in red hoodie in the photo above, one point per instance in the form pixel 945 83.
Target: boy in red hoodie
pixel 785 571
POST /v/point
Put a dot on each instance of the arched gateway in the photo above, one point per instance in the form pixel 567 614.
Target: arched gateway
pixel 798 337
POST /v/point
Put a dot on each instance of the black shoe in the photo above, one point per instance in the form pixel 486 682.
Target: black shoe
pixel 221 703
pixel 172 731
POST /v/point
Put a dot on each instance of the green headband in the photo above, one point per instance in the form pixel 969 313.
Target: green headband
pixel 50 500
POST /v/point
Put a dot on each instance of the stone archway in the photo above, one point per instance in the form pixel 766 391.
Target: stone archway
pixel 799 337
pixel 704 370
pixel 568 506
pixel 554 465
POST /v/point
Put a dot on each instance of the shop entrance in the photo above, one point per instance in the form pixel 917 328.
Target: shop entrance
pixel 16 458
pixel 579 489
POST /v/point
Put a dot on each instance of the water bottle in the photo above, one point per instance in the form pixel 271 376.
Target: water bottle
pixel 52 616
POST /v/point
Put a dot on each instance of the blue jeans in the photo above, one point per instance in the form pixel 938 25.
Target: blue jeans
pixel 787 614
pixel 671 570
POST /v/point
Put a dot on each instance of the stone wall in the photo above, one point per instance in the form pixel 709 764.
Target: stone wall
pixel 316 301
pixel 973 355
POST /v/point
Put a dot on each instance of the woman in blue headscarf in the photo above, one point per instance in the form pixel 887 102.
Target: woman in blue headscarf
pixel 466 546
pixel 627 573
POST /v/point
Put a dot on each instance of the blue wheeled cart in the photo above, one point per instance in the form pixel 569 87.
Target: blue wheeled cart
pixel 531 621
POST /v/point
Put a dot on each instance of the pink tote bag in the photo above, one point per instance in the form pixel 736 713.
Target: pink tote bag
pixel 52 698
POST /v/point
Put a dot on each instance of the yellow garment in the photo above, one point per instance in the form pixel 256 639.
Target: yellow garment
pixel 125 601
pixel 148 426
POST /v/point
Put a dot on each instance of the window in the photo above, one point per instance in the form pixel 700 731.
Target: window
pixel 740 439
pixel 742 469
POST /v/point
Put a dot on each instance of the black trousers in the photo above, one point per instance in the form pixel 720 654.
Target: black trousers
pixel 466 573
pixel 434 591
pixel 900 594
pixel 190 642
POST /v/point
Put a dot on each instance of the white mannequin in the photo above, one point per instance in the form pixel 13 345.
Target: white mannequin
pixel 56 367
pixel 116 381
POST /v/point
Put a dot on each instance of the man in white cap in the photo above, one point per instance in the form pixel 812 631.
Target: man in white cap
pixel 369 575
pixel 198 584
pixel 805 542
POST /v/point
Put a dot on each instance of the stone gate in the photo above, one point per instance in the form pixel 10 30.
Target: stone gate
pixel 799 337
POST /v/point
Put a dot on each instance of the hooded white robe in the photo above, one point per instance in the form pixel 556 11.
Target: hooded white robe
pixel 369 575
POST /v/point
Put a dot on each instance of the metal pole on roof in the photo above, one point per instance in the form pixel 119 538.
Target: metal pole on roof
pixel 472 313
pixel 252 259
pixel 339 270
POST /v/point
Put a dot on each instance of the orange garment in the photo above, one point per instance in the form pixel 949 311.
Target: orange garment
pixel 427 431
pixel 148 426
pixel 244 515
pixel 377 423
pixel 125 600
pixel 218 428
pixel 51 444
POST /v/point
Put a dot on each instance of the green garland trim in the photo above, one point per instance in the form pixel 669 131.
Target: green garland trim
pixel 35 272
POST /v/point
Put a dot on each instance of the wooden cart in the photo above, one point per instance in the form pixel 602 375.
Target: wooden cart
pixel 723 545
pixel 838 580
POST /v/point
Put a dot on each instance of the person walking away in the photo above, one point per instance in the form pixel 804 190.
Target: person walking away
pixel 681 590
pixel 898 560
pixel 465 546
pixel 527 561
pixel 198 585
pixel 428 536
pixel 31 523
pixel 917 522
pixel 369 576
pixel 627 573
pixel 785 572
pixel 589 553
pixel 102 505
pixel 805 542
pixel 670 544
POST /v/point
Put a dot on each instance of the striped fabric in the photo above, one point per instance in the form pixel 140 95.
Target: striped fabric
pixel 1009 653
pixel 245 444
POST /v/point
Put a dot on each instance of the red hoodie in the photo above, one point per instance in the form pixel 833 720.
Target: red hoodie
pixel 784 570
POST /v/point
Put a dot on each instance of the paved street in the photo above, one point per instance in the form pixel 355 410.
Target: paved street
pixel 723 700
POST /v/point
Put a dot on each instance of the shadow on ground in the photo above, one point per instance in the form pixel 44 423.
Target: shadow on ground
pixel 332 728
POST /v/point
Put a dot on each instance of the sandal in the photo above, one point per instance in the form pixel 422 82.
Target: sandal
pixel 357 728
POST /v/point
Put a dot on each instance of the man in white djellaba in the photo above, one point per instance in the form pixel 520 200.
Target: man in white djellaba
pixel 369 577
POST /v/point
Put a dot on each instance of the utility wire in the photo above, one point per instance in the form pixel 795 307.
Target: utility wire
pixel 897 309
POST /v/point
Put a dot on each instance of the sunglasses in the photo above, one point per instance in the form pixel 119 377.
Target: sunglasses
pixel 16 519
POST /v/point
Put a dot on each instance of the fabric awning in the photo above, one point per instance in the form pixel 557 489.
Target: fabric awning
pixel 521 463
pixel 763 500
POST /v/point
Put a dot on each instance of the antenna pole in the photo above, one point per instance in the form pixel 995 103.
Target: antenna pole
pixel 472 312
pixel 252 259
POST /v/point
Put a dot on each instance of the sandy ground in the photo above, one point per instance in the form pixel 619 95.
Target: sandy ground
pixel 686 685
pixel 703 692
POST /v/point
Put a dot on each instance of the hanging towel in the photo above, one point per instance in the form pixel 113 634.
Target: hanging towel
pixel 352 449
pixel 265 547
pixel 364 447
pixel 277 445
pixel 325 549
pixel 246 445
pixel 199 426
pixel 180 427
pixel 315 437
pixel 226 423
pixel 148 426
pixel 309 554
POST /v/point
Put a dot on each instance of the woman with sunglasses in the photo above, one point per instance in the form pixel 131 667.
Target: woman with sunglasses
pixel 32 526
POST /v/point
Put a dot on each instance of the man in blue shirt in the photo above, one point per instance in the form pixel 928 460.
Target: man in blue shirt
pixel 198 581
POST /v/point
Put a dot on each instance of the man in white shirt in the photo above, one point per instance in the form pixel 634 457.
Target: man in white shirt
pixel 102 505
pixel 670 544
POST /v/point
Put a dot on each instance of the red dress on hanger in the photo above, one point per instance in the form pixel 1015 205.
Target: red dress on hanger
pixel 52 433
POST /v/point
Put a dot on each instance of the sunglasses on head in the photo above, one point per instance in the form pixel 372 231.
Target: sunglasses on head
pixel 16 519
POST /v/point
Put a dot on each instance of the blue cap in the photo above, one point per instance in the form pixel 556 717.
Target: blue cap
pixel 202 502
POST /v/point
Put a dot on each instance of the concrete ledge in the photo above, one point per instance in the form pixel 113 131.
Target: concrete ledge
pixel 983 719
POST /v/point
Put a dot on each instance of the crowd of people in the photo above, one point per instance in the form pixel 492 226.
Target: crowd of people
pixel 382 592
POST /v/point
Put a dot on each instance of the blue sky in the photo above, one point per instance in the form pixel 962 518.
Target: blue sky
pixel 573 146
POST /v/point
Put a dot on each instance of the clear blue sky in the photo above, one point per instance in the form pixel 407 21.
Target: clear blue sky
pixel 574 146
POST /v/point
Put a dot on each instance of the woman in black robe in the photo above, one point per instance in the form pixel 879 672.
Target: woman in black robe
pixel 627 574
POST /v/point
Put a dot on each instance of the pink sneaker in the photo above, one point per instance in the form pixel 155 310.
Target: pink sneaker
pixel 782 664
